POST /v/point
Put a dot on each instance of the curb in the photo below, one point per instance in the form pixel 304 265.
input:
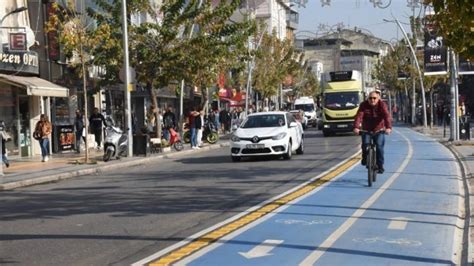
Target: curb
pixel 102 167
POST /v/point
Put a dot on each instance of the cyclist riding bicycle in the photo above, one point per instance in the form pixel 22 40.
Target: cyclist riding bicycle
pixel 373 116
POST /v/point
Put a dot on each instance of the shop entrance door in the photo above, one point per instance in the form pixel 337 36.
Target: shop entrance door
pixel 25 130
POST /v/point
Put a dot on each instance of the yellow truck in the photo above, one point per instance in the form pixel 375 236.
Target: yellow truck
pixel 343 91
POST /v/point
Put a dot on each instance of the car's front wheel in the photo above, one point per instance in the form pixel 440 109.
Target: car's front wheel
pixel 289 152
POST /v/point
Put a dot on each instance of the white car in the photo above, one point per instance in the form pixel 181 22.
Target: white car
pixel 267 133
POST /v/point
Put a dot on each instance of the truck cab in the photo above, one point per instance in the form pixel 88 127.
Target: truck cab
pixel 342 93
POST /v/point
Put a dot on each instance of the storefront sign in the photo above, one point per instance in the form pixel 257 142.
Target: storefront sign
pixel 66 137
pixel 435 52
pixel 18 41
pixel 21 62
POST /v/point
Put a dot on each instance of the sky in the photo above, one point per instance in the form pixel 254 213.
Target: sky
pixel 355 13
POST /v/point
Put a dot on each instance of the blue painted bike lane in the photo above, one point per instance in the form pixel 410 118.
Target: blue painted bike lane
pixel 409 216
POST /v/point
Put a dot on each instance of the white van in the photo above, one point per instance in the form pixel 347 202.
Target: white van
pixel 308 105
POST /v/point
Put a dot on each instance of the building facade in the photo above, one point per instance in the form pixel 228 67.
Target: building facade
pixel 346 49
pixel 26 90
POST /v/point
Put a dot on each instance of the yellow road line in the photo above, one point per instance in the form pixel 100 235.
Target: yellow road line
pixel 211 237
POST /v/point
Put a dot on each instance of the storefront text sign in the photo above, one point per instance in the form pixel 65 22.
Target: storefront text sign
pixel 21 62
pixel 18 41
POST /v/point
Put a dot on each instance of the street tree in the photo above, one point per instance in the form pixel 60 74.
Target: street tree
pixel 305 82
pixel 163 53
pixel 275 60
pixel 218 46
pixel 82 41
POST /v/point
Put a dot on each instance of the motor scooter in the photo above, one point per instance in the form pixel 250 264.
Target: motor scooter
pixel 175 140
pixel 115 143
pixel 209 133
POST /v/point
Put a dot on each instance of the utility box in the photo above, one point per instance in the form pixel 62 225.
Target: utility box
pixel 141 145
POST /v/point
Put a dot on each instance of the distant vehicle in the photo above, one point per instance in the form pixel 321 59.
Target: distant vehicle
pixel 309 107
pixel 300 117
pixel 267 133
pixel 343 91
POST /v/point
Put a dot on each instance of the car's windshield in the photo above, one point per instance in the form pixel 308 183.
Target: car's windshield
pixel 264 121
pixel 305 107
pixel 343 100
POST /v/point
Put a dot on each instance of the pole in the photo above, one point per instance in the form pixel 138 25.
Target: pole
pixel 247 93
pixel 181 110
pixel 251 64
pixel 127 85
pixel 413 102
pixel 454 116
pixel 419 73
pixel 181 95
pixel 1 148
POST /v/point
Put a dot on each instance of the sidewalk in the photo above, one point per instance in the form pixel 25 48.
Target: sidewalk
pixel 464 151
pixel 31 171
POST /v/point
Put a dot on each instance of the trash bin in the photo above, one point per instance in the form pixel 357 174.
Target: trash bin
pixel 464 128
pixel 141 145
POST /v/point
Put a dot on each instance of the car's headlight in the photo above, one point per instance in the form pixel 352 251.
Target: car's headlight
pixel 234 138
pixel 279 136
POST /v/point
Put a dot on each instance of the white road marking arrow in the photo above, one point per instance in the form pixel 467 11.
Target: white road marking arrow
pixel 398 223
pixel 261 250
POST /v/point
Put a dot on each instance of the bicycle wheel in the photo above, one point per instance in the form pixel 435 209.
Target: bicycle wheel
pixel 370 166
pixel 374 164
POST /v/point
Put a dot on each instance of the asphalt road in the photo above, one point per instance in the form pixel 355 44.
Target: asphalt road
pixel 121 217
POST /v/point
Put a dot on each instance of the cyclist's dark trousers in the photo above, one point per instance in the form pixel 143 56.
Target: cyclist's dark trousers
pixel 379 140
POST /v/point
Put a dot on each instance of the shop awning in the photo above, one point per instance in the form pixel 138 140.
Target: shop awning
pixel 36 86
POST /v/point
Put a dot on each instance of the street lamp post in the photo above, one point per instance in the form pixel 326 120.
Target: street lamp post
pixel 128 115
pixel 16 10
pixel 425 125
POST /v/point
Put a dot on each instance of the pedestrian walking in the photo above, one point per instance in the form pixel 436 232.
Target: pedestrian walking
pixel 79 130
pixel 4 153
pixel 42 133
pixel 169 121
pixel 225 119
pixel 5 137
pixel 199 128
pixel 96 120
pixel 216 120
pixel 192 127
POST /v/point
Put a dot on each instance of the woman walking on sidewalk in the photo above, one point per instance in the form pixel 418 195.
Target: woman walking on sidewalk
pixel 4 154
pixel 42 134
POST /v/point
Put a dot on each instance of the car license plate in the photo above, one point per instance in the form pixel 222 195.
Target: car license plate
pixel 341 126
pixel 255 146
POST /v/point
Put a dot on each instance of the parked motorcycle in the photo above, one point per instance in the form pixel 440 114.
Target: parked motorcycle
pixel 209 133
pixel 115 143
pixel 175 140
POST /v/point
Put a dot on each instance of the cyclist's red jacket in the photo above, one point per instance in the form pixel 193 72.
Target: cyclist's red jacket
pixel 373 118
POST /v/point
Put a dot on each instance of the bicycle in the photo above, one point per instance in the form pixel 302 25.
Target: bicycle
pixel 371 159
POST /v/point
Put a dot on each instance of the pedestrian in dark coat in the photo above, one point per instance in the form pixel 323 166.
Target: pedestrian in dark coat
pixel 96 121
pixel 79 127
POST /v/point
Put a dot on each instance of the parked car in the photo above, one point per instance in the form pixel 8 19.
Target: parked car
pixel 267 133
pixel 300 117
